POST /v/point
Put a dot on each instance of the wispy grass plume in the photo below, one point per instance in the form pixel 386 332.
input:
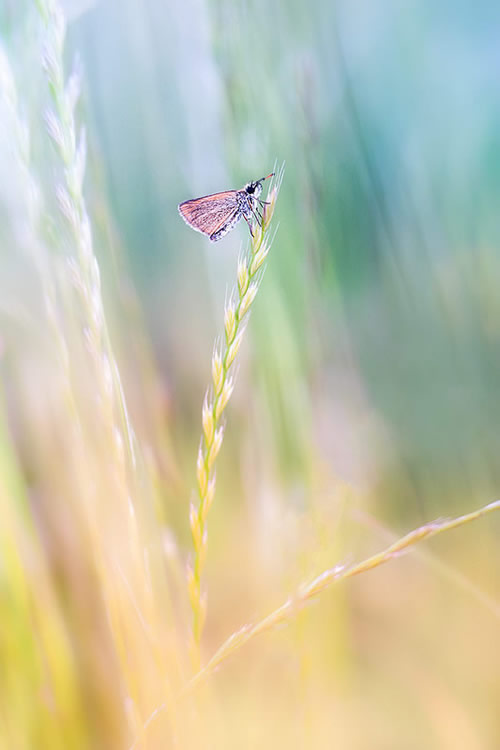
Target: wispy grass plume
pixel 71 147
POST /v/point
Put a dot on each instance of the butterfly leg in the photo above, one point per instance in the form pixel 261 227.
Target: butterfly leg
pixel 257 215
pixel 249 224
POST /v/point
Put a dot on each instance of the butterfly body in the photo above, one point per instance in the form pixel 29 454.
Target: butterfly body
pixel 216 214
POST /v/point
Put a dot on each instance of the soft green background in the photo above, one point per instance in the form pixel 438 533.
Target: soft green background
pixel 379 316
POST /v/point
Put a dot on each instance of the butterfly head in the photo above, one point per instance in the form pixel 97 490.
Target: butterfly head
pixel 255 188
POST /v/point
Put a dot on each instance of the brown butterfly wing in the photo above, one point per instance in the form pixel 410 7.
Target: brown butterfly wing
pixel 209 213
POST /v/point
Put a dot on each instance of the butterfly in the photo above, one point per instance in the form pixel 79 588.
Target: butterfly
pixel 215 215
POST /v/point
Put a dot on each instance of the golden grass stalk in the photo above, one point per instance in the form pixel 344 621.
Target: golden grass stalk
pixel 249 277
pixel 325 580
pixel 117 606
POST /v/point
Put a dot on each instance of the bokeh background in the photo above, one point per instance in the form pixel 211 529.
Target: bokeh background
pixel 367 393
pixel 378 318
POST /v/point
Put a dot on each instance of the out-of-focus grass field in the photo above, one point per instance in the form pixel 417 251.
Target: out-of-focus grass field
pixel 367 386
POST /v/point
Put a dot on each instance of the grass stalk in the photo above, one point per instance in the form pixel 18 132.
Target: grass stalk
pixel 237 309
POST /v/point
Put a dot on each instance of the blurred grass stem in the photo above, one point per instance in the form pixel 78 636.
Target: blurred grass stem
pixel 322 582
